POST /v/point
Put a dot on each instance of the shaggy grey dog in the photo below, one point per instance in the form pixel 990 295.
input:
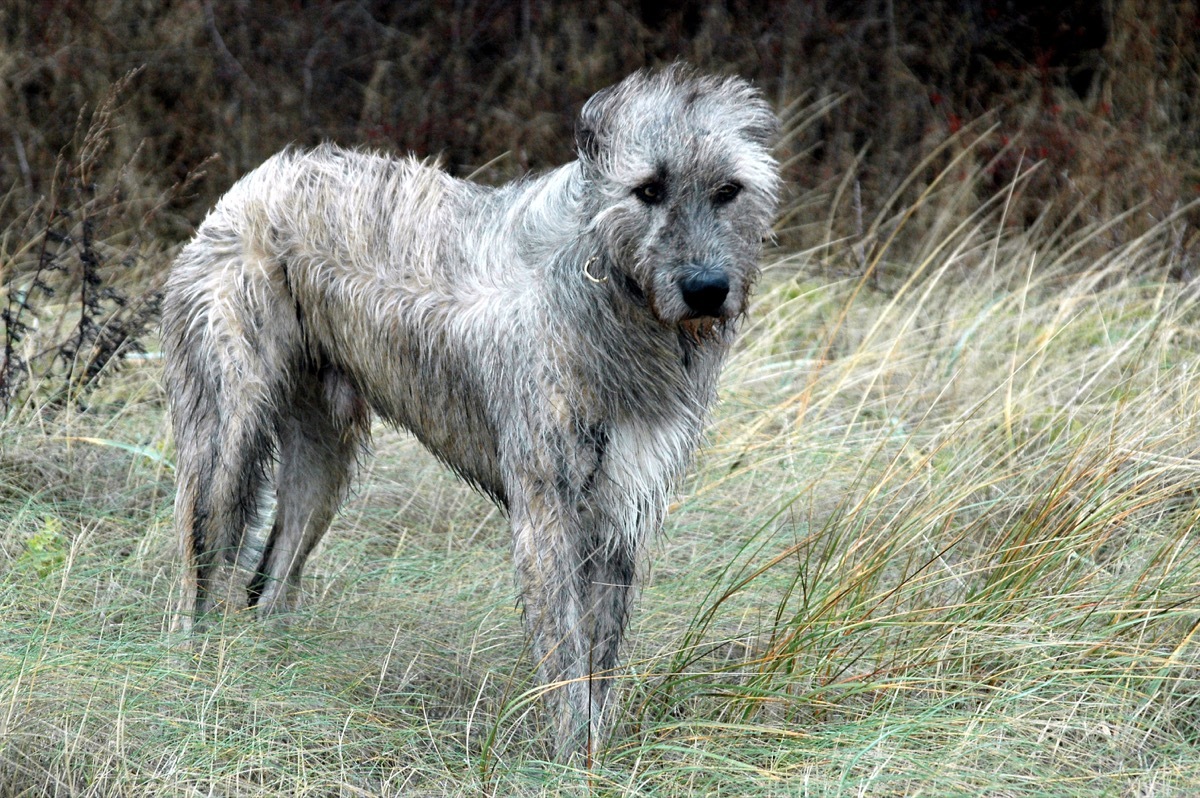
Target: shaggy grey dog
pixel 555 341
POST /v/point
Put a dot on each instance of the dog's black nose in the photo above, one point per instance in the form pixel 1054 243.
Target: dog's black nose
pixel 705 291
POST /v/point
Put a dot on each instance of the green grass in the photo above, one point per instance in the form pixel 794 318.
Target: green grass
pixel 943 542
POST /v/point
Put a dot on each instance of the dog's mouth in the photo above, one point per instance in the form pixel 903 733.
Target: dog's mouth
pixel 699 329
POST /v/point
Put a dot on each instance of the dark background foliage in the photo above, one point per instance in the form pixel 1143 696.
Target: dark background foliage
pixel 122 121
pixel 1104 93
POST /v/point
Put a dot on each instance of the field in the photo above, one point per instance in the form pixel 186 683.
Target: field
pixel 943 541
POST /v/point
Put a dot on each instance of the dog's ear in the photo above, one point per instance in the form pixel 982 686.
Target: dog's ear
pixel 587 143
pixel 762 126
pixel 590 130
pixel 753 114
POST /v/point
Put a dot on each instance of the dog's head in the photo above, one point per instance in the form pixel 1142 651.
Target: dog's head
pixel 684 190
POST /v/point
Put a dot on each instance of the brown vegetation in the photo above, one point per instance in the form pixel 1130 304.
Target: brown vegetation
pixel 1104 96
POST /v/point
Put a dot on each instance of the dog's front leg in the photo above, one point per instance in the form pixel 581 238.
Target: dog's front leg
pixel 610 585
pixel 553 555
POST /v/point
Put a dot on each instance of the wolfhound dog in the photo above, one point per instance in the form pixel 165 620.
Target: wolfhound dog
pixel 555 341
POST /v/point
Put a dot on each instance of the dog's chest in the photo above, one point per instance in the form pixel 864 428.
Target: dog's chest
pixel 644 457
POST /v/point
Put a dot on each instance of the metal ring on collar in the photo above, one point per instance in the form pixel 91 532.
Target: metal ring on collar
pixel 587 270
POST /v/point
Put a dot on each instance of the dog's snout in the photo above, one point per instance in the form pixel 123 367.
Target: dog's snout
pixel 705 291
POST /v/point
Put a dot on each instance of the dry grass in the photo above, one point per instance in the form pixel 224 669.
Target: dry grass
pixel 943 542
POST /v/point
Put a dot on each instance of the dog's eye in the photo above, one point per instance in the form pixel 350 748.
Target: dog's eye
pixel 726 193
pixel 650 193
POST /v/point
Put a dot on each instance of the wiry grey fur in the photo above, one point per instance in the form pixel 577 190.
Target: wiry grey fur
pixel 556 341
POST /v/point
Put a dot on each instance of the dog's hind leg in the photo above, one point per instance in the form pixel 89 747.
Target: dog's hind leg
pixel 320 432
pixel 231 342
pixel 223 432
